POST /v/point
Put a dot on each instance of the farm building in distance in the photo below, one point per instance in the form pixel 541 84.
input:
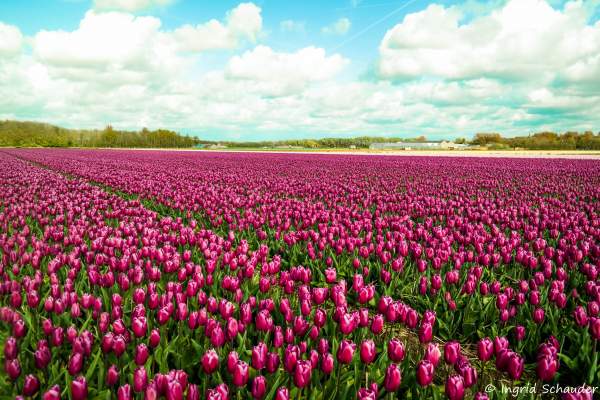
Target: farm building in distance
pixel 442 145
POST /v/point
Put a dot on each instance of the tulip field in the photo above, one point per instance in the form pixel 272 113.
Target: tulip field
pixel 200 275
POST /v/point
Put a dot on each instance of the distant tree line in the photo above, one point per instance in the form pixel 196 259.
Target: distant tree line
pixel 35 134
pixel 362 142
pixel 540 141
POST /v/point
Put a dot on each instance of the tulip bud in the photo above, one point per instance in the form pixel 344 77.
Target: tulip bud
pixel 259 356
pixel 366 394
pixel 519 332
pixel 259 387
pixel 345 352
pixel 75 364
pixel 425 372
pixel 425 333
pixel 455 388
pixel 272 362
pixel 193 392
pixel 112 375
pixel 79 388
pixel 377 324
pixel 368 352
pixel 282 393
pixel 396 350
pixel 141 354
pixel 11 348
pixel 53 393
pixel 31 385
pixel 140 379
pixel 451 352
pixel 546 368
pixel 174 391
pixel 124 392
pixel 515 366
pixel 240 374
pixel 538 315
pixel 393 378
pixel 139 327
pixel 290 358
pixel 154 339
pixel 232 359
pixel 210 361
pixel 302 373
pixel 485 349
pixel 433 354
pixel 327 363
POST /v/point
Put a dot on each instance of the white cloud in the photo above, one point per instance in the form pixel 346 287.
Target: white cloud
pixel 102 40
pixel 339 27
pixel 521 40
pixel 242 23
pixel 289 25
pixel 11 40
pixel 307 64
pixel 129 5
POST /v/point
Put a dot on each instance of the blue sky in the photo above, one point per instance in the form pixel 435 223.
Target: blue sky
pixel 278 69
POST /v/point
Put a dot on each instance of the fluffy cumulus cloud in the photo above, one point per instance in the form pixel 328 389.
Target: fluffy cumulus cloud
pixel 243 23
pixel 129 5
pixel 521 40
pixel 285 72
pixel 102 40
pixel 339 27
pixel 10 40
pixel 440 72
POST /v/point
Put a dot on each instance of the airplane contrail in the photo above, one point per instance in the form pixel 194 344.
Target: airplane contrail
pixel 368 27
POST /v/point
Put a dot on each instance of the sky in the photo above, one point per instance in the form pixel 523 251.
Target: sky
pixel 268 69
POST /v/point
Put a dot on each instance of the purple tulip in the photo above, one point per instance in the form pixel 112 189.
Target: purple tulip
pixel 259 387
pixel 154 339
pixel 393 378
pixel 455 389
pixel 546 368
pixel 302 373
pixel 174 390
pixel 515 366
pixel 11 348
pixel 425 372
pixel 366 394
pixel 12 368
pixel 345 352
pixel 240 374
pixel 433 354
pixel 140 379
pixel 395 350
pixel 538 315
pixel 451 352
pixel 75 364
pixel 193 392
pixel 259 356
pixel 53 393
pixel 141 354
pixel 79 388
pixel 210 361
pixel 31 385
pixel 124 392
pixel 425 332
pixel 282 393
pixel 368 352
pixel 485 349
pixel 112 375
